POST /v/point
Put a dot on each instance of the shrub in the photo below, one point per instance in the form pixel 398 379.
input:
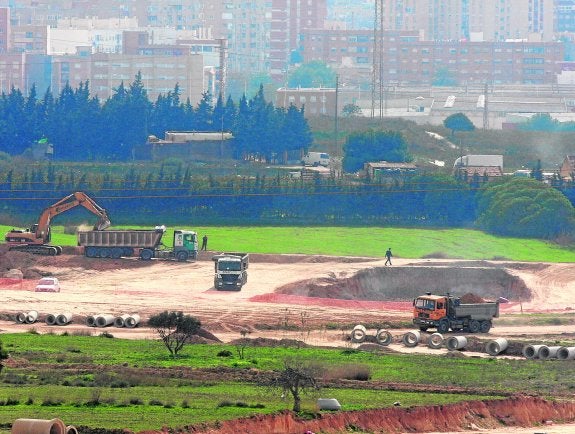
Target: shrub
pixel 352 371
pixel 155 402
pixel 185 404
pixel 106 335
pixel 30 401
pixel 136 401
pixel 50 401
pixel 225 353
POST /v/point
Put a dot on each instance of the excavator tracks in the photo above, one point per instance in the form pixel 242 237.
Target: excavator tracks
pixel 38 250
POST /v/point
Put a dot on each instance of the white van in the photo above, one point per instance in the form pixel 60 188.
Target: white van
pixel 315 159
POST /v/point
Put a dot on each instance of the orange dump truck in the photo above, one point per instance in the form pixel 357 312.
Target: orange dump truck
pixel 445 312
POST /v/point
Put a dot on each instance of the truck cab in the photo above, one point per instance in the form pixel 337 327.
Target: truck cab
pixel 230 270
pixel 185 241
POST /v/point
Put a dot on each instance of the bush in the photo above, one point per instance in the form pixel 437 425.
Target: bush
pixel 136 401
pixel 155 402
pixel 352 371
pixel 225 353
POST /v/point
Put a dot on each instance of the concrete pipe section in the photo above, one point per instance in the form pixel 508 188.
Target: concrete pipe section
pixel 411 339
pixel 21 317
pixel 531 351
pixel 496 346
pixel 546 353
pixel 456 342
pixel 31 317
pixel 91 320
pixel 133 321
pixel 50 319
pixel 104 320
pixel 358 334
pixel 435 341
pixel 38 426
pixel 64 318
pixel 566 353
pixel 120 321
pixel 383 337
pixel 71 429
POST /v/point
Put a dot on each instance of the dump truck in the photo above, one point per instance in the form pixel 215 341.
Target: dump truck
pixel 146 244
pixel 445 312
pixel 230 270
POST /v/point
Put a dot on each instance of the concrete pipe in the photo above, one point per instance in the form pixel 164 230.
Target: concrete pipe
pixel 133 321
pixel 104 320
pixel 456 342
pixel 546 353
pixel 38 426
pixel 496 346
pixel 531 351
pixel 71 429
pixel 50 319
pixel 435 341
pixel 91 321
pixel 566 353
pixel 21 317
pixel 383 337
pixel 411 339
pixel 64 318
pixel 31 317
pixel 120 321
pixel 358 334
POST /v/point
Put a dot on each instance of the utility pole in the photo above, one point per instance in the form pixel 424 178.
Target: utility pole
pixel 336 113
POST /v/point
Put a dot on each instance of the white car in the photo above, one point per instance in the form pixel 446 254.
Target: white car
pixel 48 284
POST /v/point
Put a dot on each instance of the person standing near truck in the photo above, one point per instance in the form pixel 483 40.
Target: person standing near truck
pixel 205 243
pixel 388 256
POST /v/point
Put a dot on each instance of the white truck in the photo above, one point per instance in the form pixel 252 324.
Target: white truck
pixel 231 270
pixel 315 159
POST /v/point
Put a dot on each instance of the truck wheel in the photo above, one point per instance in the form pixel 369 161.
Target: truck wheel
pixel 116 253
pixel 127 251
pixel 105 252
pixel 182 256
pixel 485 326
pixel 443 326
pixel 474 326
pixel 91 252
pixel 146 254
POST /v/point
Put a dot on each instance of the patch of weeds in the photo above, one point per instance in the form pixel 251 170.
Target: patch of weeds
pixel 106 335
pixel 33 331
pixel 349 351
pixel 29 401
pixel 354 371
pixel 185 404
pixel 50 401
pixel 154 401
pixel 64 334
pixel 82 332
pixel 73 350
pixel 239 404
pixel 169 405
pixel 225 353
pixel 12 378
pixel 136 401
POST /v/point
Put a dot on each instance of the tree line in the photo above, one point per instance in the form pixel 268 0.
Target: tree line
pixel 82 128
pixel 511 206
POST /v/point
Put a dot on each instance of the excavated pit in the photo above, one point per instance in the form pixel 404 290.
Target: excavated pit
pixel 405 283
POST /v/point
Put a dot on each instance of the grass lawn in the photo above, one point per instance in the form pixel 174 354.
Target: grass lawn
pixel 370 241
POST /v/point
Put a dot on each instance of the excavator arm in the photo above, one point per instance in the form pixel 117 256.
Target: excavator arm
pixel 39 233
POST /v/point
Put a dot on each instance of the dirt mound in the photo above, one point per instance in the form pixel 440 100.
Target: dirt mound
pixel 471 415
pixel 405 283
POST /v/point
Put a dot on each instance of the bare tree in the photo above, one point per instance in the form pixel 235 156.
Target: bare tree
pixel 175 329
pixel 296 378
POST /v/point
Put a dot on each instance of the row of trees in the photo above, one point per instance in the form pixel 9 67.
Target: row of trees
pixel 81 127
pixel 514 207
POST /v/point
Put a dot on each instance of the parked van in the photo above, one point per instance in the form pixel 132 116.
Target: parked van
pixel 315 159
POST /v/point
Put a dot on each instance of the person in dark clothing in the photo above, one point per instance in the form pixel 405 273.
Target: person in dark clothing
pixel 388 256
pixel 204 243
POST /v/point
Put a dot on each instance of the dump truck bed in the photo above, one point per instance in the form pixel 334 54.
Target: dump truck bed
pixel 478 311
pixel 122 238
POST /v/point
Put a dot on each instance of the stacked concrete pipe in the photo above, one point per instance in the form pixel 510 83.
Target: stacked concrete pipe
pixel 531 351
pixel 435 341
pixel 496 346
pixel 456 342
pixel 104 320
pixel 91 320
pixel 31 317
pixel 132 321
pixel 358 334
pixel 120 321
pixel 64 318
pixel 21 317
pixel 383 337
pixel 566 353
pixel 546 353
pixel 38 426
pixel 50 319
pixel 71 429
pixel 411 339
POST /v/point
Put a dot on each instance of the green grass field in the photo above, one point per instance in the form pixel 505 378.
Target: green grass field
pixel 369 241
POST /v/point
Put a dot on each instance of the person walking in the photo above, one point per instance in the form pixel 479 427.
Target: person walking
pixel 204 243
pixel 388 256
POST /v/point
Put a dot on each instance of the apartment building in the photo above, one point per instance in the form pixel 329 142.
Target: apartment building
pixel 407 58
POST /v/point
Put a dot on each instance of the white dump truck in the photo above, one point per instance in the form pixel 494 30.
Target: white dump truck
pixel 231 270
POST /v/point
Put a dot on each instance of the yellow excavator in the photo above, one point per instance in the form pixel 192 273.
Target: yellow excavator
pixel 36 239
